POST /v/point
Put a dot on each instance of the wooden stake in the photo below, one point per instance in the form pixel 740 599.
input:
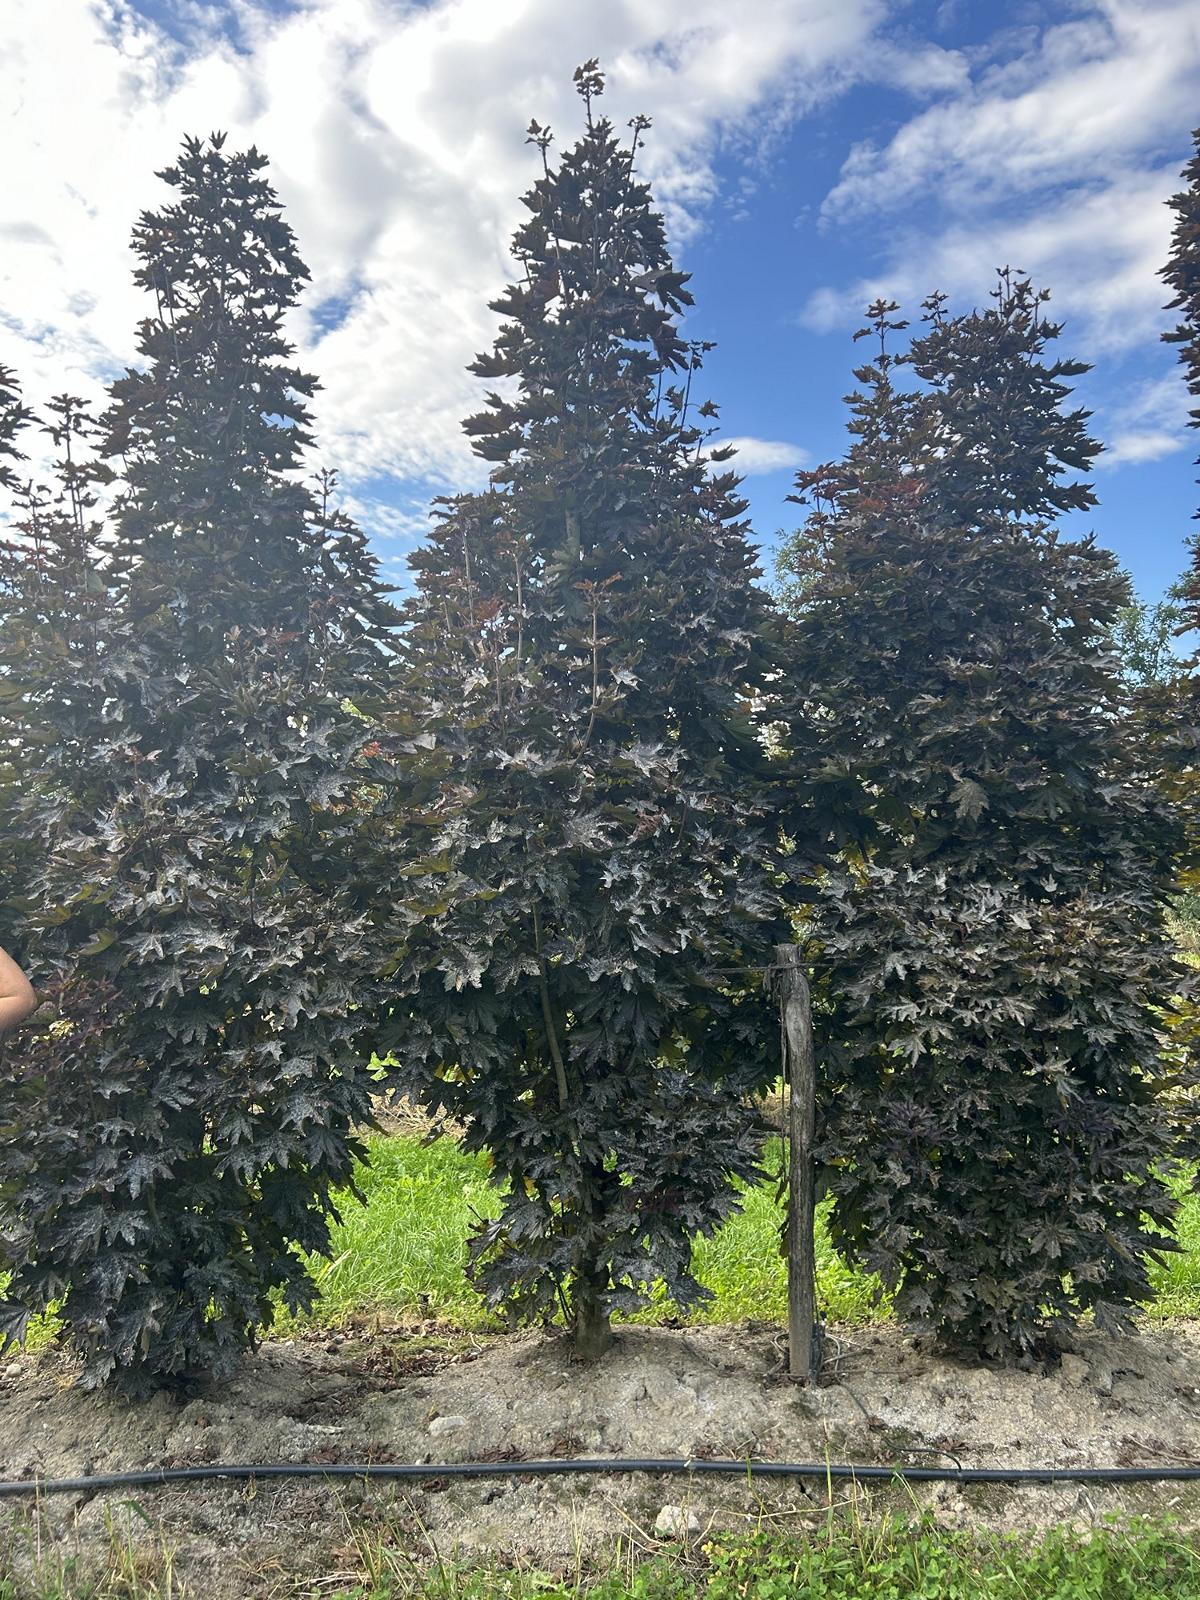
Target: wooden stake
pixel 800 1074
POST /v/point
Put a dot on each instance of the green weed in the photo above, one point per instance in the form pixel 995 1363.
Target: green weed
pixel 848 1559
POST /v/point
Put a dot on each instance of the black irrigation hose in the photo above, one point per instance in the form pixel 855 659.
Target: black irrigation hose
pixel 389 1471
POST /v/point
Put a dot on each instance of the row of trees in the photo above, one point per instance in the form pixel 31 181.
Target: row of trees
pixel 533 836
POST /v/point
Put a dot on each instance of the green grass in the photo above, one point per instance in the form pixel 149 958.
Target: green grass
pixel 1177 1280
pixel 841 1557
pixel 405 1251
pixel 122 1568
pixel 847 1559
pixel 743 1267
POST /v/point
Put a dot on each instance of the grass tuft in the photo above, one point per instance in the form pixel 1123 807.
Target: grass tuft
pixel 846 1559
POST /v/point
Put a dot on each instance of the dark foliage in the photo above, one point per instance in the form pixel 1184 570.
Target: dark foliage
pixel 182 676
pixel 996 1096
pixel 1170 712
pixel 593 867
pixel 994 442
pixel 15 417
pixel 1182 274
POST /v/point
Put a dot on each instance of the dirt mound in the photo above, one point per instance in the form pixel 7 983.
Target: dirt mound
pixel 710 1391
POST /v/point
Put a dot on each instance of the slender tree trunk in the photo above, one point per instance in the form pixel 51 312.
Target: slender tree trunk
pixel 593 1331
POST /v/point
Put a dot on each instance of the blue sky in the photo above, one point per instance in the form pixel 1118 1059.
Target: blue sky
pixel 808 154
pixel 776 376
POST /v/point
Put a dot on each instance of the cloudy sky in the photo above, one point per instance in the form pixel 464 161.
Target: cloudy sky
pixel 809 155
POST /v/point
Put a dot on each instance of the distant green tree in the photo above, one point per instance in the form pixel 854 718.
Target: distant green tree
pixel 594 874
pixel 197 673
pixel 996 1100
pixel 1144 635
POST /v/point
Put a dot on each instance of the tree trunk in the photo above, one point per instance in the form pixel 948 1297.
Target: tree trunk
pixel 593 1331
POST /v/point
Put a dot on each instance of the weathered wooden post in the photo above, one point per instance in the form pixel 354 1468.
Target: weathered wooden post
pixel 800 1075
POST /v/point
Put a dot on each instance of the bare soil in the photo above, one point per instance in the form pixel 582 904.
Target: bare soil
pixel 429 1394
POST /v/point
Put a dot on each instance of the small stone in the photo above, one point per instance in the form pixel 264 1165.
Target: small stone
pixel 674 1522
pixel 441 1425
pixel 12 1370
pixel 1074 1371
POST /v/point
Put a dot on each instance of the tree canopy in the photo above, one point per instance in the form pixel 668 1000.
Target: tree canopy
pixel 996 1097
pixel 179 671
pixel 593 868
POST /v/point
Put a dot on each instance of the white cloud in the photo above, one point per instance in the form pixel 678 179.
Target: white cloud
pixel 1147 425
pixel 1056 156
pixel 396 137
pixel 763 455
pixel 1136 446
pixel 1094 90
pixel 396 134
pixel 1099 252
